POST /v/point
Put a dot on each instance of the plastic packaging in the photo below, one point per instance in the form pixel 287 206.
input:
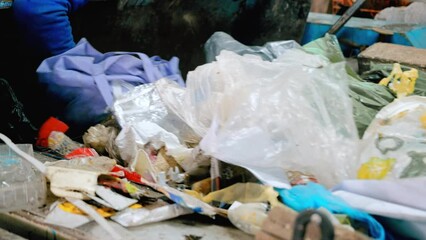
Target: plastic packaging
pixel 145 119
pixel 242 192
pixel 367 97
pixel 99 164
pixel 61 143
pixel 222 41
pixel 145 104
pixel 21 186
pixel 287 117
pixel 393 145
pixel 102 139
pixel 248 217
pixel 136 217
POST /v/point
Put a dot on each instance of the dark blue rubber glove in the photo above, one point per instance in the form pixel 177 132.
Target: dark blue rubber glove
pixel 45 24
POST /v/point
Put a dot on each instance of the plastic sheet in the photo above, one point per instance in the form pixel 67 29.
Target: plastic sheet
pixel 136 217
pixel 297 118
pixel 367 97
pixel 222 41
pixel 145 119
pixel 97 164
pixel 242 192
pixel 248 217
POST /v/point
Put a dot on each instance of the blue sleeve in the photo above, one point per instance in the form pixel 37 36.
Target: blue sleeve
pixel 45 24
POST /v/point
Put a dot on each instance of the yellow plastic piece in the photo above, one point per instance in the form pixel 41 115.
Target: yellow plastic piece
pixel 136 206
pixel 376 168
pixel 70 208
pixel 402 83
pixel 241 192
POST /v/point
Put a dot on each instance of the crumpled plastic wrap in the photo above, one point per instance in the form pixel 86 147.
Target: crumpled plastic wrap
pixel 393 146
pixel 102 139
pixel 248 217
pixel 145 118
pixel 272 116
pixel 222 41
pixel 145 104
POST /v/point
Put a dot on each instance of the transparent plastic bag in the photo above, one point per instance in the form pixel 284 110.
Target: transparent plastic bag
pixel 272 117
pixel 145 118
pixel 222 41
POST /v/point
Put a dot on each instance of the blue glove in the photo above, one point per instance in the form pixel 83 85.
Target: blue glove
pixel 45 24
pixel 314 196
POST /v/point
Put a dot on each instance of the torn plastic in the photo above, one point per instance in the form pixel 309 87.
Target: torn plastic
pixel 59 217
pixel 136 217
pixel 102 139
pixel 115 200
pixel 77 202
pixel 393 145
pixel 248 217
pixel 367 97
pixel 100 164
pixel 297 118
pixel 241 192
pixel 222 41
pixel 134 139
pixel 176 196
pixel 145 104
pixel 61 143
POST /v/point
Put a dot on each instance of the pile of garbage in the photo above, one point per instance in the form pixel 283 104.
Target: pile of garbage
pixel 263 136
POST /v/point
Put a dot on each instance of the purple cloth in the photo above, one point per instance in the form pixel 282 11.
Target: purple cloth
pixel 82 77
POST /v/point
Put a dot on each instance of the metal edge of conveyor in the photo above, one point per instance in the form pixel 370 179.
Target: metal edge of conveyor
pixel 31 226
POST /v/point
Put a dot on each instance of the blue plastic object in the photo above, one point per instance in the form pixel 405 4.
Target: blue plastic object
pixel 314 196
pixel 363 32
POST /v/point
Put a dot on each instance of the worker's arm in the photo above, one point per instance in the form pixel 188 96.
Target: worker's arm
pixel 45 24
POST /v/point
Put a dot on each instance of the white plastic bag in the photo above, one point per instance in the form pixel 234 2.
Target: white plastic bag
pixel 272 117
pixel 393 146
